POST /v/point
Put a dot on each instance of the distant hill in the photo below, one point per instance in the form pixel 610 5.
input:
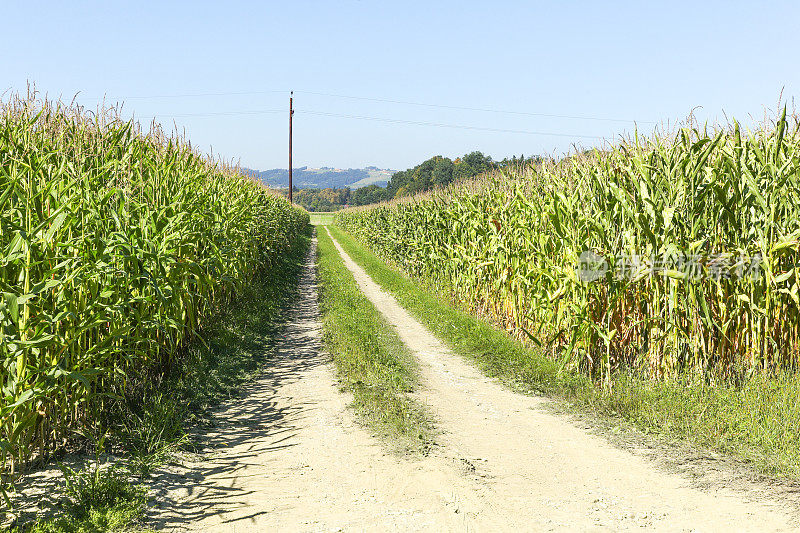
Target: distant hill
pixel 324 177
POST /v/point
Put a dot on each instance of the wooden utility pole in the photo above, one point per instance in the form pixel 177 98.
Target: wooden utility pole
pixel 291 112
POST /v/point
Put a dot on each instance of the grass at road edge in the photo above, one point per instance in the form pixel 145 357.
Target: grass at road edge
pixel 321 217
pixel 371 360
pixel 758 421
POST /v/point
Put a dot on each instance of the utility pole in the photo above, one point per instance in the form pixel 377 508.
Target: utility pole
pixel 291 113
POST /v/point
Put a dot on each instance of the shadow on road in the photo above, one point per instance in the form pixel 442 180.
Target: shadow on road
pixel 246 428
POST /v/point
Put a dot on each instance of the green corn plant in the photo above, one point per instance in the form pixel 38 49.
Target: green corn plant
pixel 115 246
pixel 509 246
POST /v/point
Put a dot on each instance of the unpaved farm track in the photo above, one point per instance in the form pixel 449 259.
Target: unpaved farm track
pixel 289 456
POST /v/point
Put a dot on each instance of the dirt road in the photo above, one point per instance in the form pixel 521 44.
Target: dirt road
pixel 290 457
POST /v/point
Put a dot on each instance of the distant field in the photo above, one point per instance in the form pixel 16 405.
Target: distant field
pixel 321 218
pixel 376 177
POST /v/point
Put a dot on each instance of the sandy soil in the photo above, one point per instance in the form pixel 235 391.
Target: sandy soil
pixel 288 456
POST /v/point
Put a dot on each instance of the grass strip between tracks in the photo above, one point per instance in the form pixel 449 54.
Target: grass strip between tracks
pixel 371 360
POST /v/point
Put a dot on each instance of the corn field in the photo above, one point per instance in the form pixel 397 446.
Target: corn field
pixel 513 247
pixel 115 246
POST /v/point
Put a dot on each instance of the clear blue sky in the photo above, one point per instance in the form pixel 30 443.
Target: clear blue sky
pixel 642 61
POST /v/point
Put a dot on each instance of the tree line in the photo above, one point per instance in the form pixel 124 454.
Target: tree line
pixel 438 171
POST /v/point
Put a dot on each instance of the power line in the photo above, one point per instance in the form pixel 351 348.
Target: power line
pixel 381 119
pixel 187 95
pixel 484 110
pixel 391 101
pixel 453 126
pixel 219 113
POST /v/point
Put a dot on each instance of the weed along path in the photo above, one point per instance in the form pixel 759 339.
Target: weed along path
pixel 288 455
pixel 533 470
